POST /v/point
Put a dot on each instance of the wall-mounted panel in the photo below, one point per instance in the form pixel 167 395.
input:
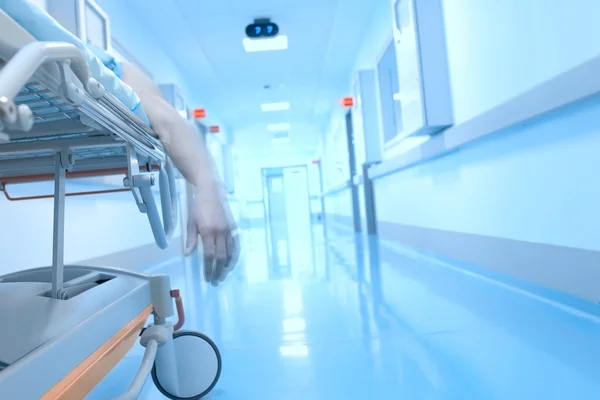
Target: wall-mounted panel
pixel 424 88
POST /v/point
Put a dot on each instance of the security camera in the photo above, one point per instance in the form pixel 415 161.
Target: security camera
pixel 262 28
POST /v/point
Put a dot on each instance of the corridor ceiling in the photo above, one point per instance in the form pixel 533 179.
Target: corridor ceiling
pixel 204 39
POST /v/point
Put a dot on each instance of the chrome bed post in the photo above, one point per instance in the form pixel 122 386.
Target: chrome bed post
pixel 63 161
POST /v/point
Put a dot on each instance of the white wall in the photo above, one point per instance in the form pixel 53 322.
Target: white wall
pixel 376 39
pixel 335 162
pixel 94 226
pixel 498 49
pixel 534 182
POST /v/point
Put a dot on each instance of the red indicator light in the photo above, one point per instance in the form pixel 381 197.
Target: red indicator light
pixel 199 113
pixel 348 101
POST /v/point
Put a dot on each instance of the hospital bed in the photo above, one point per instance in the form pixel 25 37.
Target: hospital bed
pixel 63 114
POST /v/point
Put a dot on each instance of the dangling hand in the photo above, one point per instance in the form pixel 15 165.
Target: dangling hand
pixel 210 218
pixel 209 214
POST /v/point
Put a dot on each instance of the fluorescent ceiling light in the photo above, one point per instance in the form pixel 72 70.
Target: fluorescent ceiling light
pixel 278 127
pixel 284 140
pixel 396 96
pixel 279 42
pixel 267 107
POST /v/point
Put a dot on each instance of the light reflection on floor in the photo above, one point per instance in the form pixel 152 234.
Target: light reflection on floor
pixel 373 321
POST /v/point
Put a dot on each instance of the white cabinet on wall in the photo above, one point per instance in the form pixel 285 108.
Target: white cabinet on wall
pixel 424 86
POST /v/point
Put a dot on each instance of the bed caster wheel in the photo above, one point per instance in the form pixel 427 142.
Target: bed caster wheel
pixel 198 367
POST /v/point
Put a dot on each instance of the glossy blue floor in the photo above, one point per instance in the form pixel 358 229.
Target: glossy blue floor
pixel 376 321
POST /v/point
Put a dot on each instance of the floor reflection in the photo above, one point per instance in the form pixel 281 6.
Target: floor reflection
pixel 372 320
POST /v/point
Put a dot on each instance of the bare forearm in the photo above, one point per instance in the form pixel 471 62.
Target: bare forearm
pixel 186 147
pixel 182 140
pixel 209 217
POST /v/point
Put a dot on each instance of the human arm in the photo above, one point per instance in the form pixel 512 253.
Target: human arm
pixel 209 214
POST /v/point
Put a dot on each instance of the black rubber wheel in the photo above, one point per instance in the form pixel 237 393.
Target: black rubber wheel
pixel 217 375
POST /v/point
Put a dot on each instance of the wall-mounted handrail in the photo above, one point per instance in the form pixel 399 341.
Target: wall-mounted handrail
pixel 576 84
pixel 337 189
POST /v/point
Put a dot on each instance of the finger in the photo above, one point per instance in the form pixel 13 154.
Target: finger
pixel 221 258
pixel 236 250
pixel 233 254
pixel 208 268
pixel 228 267
pixel 191 242
pixel 208 248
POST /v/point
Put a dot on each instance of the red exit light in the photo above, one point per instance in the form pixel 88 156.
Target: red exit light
pixel 348 101
pixel 199 113
pixel 214 129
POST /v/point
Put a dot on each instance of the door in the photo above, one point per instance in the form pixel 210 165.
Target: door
pixel 289 228
pixel 277 224
pixel 299 219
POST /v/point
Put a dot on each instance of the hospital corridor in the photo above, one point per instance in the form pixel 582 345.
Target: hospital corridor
pixel 299 200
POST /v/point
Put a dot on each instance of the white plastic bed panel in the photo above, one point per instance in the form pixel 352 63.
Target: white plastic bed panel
pixel 50 337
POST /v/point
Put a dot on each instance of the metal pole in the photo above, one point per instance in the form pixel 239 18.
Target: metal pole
pixel 370 206
pixel 58 245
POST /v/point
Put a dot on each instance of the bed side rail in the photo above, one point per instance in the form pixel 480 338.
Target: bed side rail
pixel 141 184
pixel 21 68
pixel 93 102
pixel 99 106
pixel 139 179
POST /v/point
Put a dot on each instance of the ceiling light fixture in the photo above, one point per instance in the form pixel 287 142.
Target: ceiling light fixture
pixel 279 141
pixel 268 107
pixel 254 45
pixel 278 127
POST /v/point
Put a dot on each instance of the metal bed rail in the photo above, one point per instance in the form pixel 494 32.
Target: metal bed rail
pixel 49 83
